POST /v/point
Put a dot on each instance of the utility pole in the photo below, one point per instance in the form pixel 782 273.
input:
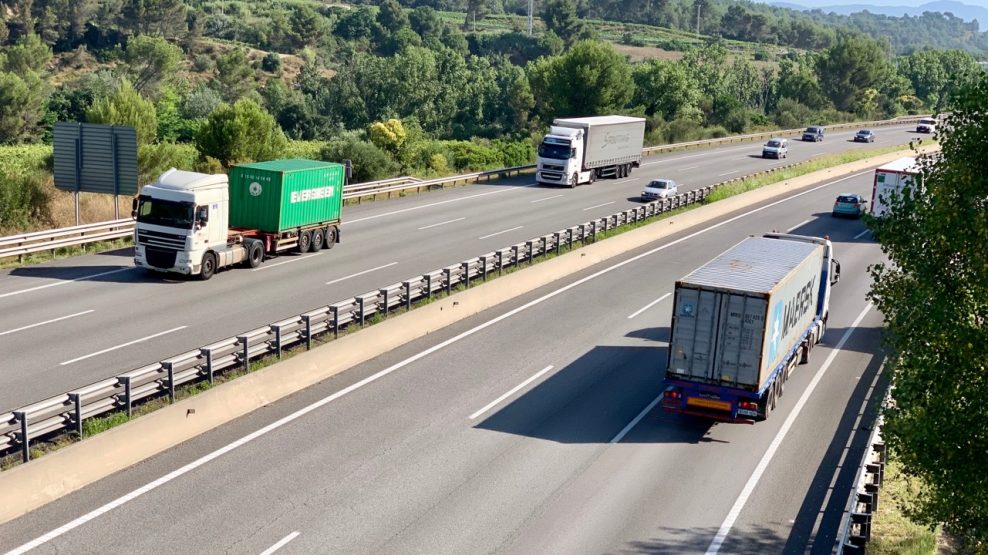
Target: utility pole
pixel 697 18
pixel 531 5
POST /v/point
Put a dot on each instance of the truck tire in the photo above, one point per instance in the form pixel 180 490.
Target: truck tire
pixel 208 267
pixel 317 239
pixel 304 242
pixel 330 237
pixel 573 180
pixel 255 254
pixel 628 168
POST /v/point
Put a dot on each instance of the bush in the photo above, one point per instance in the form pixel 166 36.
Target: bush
pixel 470 156
pixel 515 153
pixel 24 202
pixel 271 63
pixel 370 163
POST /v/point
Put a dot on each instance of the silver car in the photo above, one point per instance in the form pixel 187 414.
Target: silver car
pixel 658 189
pixel 776 148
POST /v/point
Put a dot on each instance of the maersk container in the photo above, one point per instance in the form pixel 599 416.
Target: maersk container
pixel 281 195
pixel 737 318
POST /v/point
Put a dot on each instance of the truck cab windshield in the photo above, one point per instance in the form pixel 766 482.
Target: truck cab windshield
pixel 165 212
pixel 557 152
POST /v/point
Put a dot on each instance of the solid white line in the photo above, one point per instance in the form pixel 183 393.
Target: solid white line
pixel 96 513
pixel 83 278
pixel 127 344
pixel 862 234
pixel 442 223
pixel 359 273
pixel 46 322
pixel 624 431
pixel 546 198
pixel 649 305
pixel 500 232
pixel 749 487
pixel 510 393
pixel 800 224
pixel 283 262
pixel 689 168
pixel 421 206
pixel 284 541
pixel 598 205
pixel 728 173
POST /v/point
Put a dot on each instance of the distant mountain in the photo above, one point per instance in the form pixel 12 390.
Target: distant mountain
pixel 964 11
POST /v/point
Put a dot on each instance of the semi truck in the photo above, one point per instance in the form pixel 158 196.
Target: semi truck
pixel 743 321
pixel 195 223
pixel 891 179
pixel 581 150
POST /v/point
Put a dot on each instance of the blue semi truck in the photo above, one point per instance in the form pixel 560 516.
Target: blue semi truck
pixel 743 321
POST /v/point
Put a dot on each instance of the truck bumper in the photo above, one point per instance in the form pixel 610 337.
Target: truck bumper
pixel 182 264
pixel 688 400
pixel 551 178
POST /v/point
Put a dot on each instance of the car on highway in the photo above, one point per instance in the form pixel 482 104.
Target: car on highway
pixel 813 133
pixel 926 125
pixel 864 136
pixel 849 204
pixel 659 189
pixel 775 148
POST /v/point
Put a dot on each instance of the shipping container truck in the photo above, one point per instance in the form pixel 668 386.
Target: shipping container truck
pixel 743 321
pixel 194 223
pixel 891 178
pixel 581 150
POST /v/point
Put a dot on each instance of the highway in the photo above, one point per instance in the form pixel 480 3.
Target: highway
pixel 534 433
pixel 73 322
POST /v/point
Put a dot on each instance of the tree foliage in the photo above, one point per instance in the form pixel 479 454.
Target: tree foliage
pixel 850 67
pixel 127 107
pixel 151 61
pixel 242 132
pixel 592 78
pixel 22 99
pixel 934 296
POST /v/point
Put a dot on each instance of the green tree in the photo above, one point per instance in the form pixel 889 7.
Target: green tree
pixel 162 18
pixel 22 100
pixel 391 17
pixel 242 132
pixel 663 87
pixel 388 135
pixel 798 83
pixel 848 68
pixel 591 79
pixel 127 107
pixel 29 53
pixel 936 75
pixel 934 297
pixel 151 61
pixel 561 17
pixel 235 77
pixel 308 27
pixel 425 21
pixel 370 163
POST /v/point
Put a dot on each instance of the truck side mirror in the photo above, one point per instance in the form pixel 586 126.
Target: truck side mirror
pixel 835 274
pixel 202 216
pixel 133 208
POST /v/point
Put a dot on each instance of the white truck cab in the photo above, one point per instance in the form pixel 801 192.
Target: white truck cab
pixel 561 156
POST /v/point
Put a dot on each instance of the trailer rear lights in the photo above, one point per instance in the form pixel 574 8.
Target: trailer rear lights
pixel 748 405
pixel 673 395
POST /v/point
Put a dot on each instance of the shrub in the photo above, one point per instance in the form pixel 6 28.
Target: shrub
pixel 271 63
pixel 370 163
pixel 24 202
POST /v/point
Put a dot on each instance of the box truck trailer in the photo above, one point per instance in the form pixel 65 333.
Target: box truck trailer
pixel 194 223
pixel 743 321
pixel 581 150
pixel 891 179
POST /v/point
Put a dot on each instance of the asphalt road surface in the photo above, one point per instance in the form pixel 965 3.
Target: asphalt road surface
pixel 537 433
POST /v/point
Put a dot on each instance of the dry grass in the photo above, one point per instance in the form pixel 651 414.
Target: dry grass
pixel 641 53
pixel 92 208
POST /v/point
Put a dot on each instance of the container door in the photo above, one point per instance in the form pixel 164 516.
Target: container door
pixel 694 334
pixel 742 319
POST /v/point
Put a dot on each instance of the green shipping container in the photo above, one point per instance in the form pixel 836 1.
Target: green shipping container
pixel 282 195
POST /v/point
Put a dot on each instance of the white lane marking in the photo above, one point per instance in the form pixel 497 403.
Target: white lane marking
pixel 708 153
pixel 83 278
pixel 728 173
pixel 282 543
pixel 127 344
pixel 442 223
pixel 598 205
pixel 99 511
pixel 749 487
pixel 46 322
pixel 862 234
pixel 513 390
pixel 421 206
pixel 649 305
pixel 360 273
pixel 624 431
pixel 500 232
pixel 283 262
pixel 800 224
pixel 689 168
pixel 545 198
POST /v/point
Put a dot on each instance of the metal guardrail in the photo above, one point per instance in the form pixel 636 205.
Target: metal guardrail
pixel 66 412
pixel 855 529
pixel 20 245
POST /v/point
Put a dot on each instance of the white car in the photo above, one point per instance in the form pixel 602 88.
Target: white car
pixel 776 148
pixel 659 189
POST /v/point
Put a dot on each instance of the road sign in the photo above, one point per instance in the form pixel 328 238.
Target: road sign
pixel 95 158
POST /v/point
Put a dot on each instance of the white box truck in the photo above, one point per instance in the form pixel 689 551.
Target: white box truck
pixel 891 178
pixel 743 321
pixel 580 150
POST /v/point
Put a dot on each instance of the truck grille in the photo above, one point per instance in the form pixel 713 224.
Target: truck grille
pixel 552 167
pixel 159 239
pixel 555 176
pixel 160 258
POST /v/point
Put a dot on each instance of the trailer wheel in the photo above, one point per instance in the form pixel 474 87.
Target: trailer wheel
pixel 317 239
pixel 208 266
pixel 255 254
pixel 330 237
pixel 628 168
pixel 304 242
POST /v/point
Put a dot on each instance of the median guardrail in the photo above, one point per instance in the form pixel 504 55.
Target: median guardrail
pixel 855 529
pixel 28 243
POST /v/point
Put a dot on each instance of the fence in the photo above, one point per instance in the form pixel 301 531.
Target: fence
pixel 20 245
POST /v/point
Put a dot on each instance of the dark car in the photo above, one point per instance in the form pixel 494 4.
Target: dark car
pixel 864 136
pixel 813 133
pixel 849 204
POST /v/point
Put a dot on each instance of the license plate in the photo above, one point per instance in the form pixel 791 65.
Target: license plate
pixel 709 403
pixel 746 412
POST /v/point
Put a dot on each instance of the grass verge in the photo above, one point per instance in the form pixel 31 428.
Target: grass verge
pixel 892 533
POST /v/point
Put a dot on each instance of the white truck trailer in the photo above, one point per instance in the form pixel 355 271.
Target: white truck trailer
pixel 891 179
pixel 580 150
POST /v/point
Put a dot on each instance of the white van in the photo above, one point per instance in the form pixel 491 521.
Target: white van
pixel 926 125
